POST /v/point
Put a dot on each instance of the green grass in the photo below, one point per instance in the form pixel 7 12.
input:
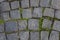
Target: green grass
pixel 1 21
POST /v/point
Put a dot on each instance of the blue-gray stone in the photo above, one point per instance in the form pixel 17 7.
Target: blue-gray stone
pixel 1 27
pixel 27 13
pixel 22 24
pixel 2 0
pixel 13 36
pixel 11 26
pixel 15 4
pixel 24 35
pixel 34 35
pixel 37 12
pixel 15 14
pixel 33 24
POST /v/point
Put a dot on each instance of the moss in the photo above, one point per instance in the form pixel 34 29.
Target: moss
pixel 1 21
pixel 20 10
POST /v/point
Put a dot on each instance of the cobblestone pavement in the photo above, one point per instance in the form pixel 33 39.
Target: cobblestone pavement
pixel 29 19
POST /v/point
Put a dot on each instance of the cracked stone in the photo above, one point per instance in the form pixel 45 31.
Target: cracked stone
pixel 34 3
pixel 22 24
pixel 11 26
pixel 54 35
pixel 15 4
pixel 24 35
pixel 37 12
pixel 27 13
pixel 33 24
pixel 46 23
pixel 34 35
pixel 25 3
pixel 56 25
pixel 15 14
pixel 13 36
pixel 48 12
pixel 44 35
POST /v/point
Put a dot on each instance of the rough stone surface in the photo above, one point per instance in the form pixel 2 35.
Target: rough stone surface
pixel 44 3
pixel 22 24
pixel 5 6
pixel 2 36
pixel 54 35
pixel 37 12
pixel 25 3
pixel 57 14
pixel 34 3
pixel 5 16
pixel 34 35
pixel 44 35
pixel 11 26
pixel 1 27
pixel 15 4
pixel 2 0
pixel 13 36
pixel 46 23
pixel 24 35
pixel 49 12
pixel 33 24
pixel 56 25
pixel 55 4
pixel 27 13
pixel 15 14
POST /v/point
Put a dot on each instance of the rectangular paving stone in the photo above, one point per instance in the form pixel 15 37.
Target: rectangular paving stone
pixel 27 13
pixel 5 16
pixel 46 23
pixel 24 35
pixel 33 24
pixel 49 12
pixel 24 3
pixel 44 35
pixel 15 4
pixel 5 6
pixel 11 26
pixel 44 3
pixel 57 14
pixel 1 27
pixel 34 35
pixel 34 3
pixel 37 12
pixel 22 24
pixel 15 14
pixel 12 36
pixel 2 36
pixel 54 35
pixel 55 4
pixel 56 25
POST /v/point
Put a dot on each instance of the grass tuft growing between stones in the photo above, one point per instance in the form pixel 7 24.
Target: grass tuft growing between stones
pixel 1 21
pixel 20 10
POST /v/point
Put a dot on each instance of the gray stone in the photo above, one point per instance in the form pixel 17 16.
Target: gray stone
pixel 44 3
pixel 33 24
pixel 1 27
pixel 15 14
pixel 34 3
pixel 56 25
pixel 46 23
pixel 49 12
pixel 15 4
pixel 2 36
pixel 57 14
pixel 25 3
pixel 27 13
pixel 13 36
pixel 55 4
pixel 24 35
pixel 11 26
pixel 5 6
pixel 2 0
pixel 34 35
pixel 54 35
pixel 44 35
pixel 5 16
pixel 37 12
pixel 22 24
